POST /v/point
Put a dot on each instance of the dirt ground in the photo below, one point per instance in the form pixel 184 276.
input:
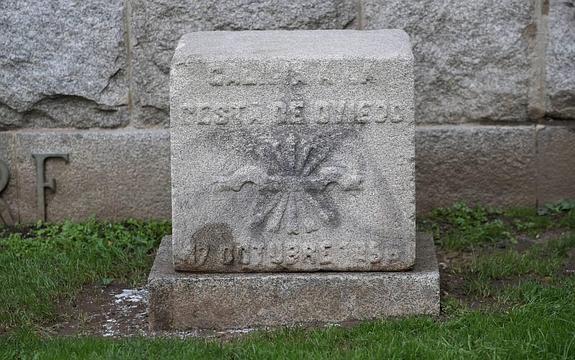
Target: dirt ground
pixel 117 311
pixel 112 310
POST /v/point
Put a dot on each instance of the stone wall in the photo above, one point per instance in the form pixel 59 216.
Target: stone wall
pixel 495 95
pixel 105 64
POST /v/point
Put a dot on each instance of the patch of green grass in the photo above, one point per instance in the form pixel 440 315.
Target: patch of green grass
pixel 568 221
pixel 51 263
pixel 529 221
pixel 541 259
pixel 544 260
pixel 553 216
pixel 461 227
pixel 541 327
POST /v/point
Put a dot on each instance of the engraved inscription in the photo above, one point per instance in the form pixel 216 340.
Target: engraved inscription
pixel 223 114
pixel 291 181
pixel 42 183
pixel 5 214
pixel 199 254
pixel 294 113
pixel 245 77
pixel 358 112
pixel 288 254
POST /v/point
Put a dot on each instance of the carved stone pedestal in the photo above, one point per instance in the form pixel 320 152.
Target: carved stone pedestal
pixel 181 301
pixel 293 183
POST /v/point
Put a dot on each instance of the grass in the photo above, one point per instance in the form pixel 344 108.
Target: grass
pixel 45 265
pixel 506 260
pixel 541 327
pixel 541 259
pixel 542 262
pixel 461 227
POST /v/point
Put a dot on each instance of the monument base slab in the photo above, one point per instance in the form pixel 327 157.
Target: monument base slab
pixel 183 301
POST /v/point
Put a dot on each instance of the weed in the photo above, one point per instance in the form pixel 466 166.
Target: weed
pixel 462 227
pixel 559 207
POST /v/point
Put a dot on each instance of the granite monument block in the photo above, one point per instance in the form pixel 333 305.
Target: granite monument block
pixel 293 151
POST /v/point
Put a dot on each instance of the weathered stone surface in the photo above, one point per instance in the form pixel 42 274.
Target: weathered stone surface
pixel 62 64
pixel 181 301
pixel 293 151
pixel 8 181
pixel 556 164
pixel 159 24
pixel 447 170
pixel 488 165
pixel 560 60
pixel 471 57
pixel 110 174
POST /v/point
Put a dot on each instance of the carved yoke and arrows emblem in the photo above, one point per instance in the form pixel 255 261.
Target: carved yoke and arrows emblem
pixel 292 178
